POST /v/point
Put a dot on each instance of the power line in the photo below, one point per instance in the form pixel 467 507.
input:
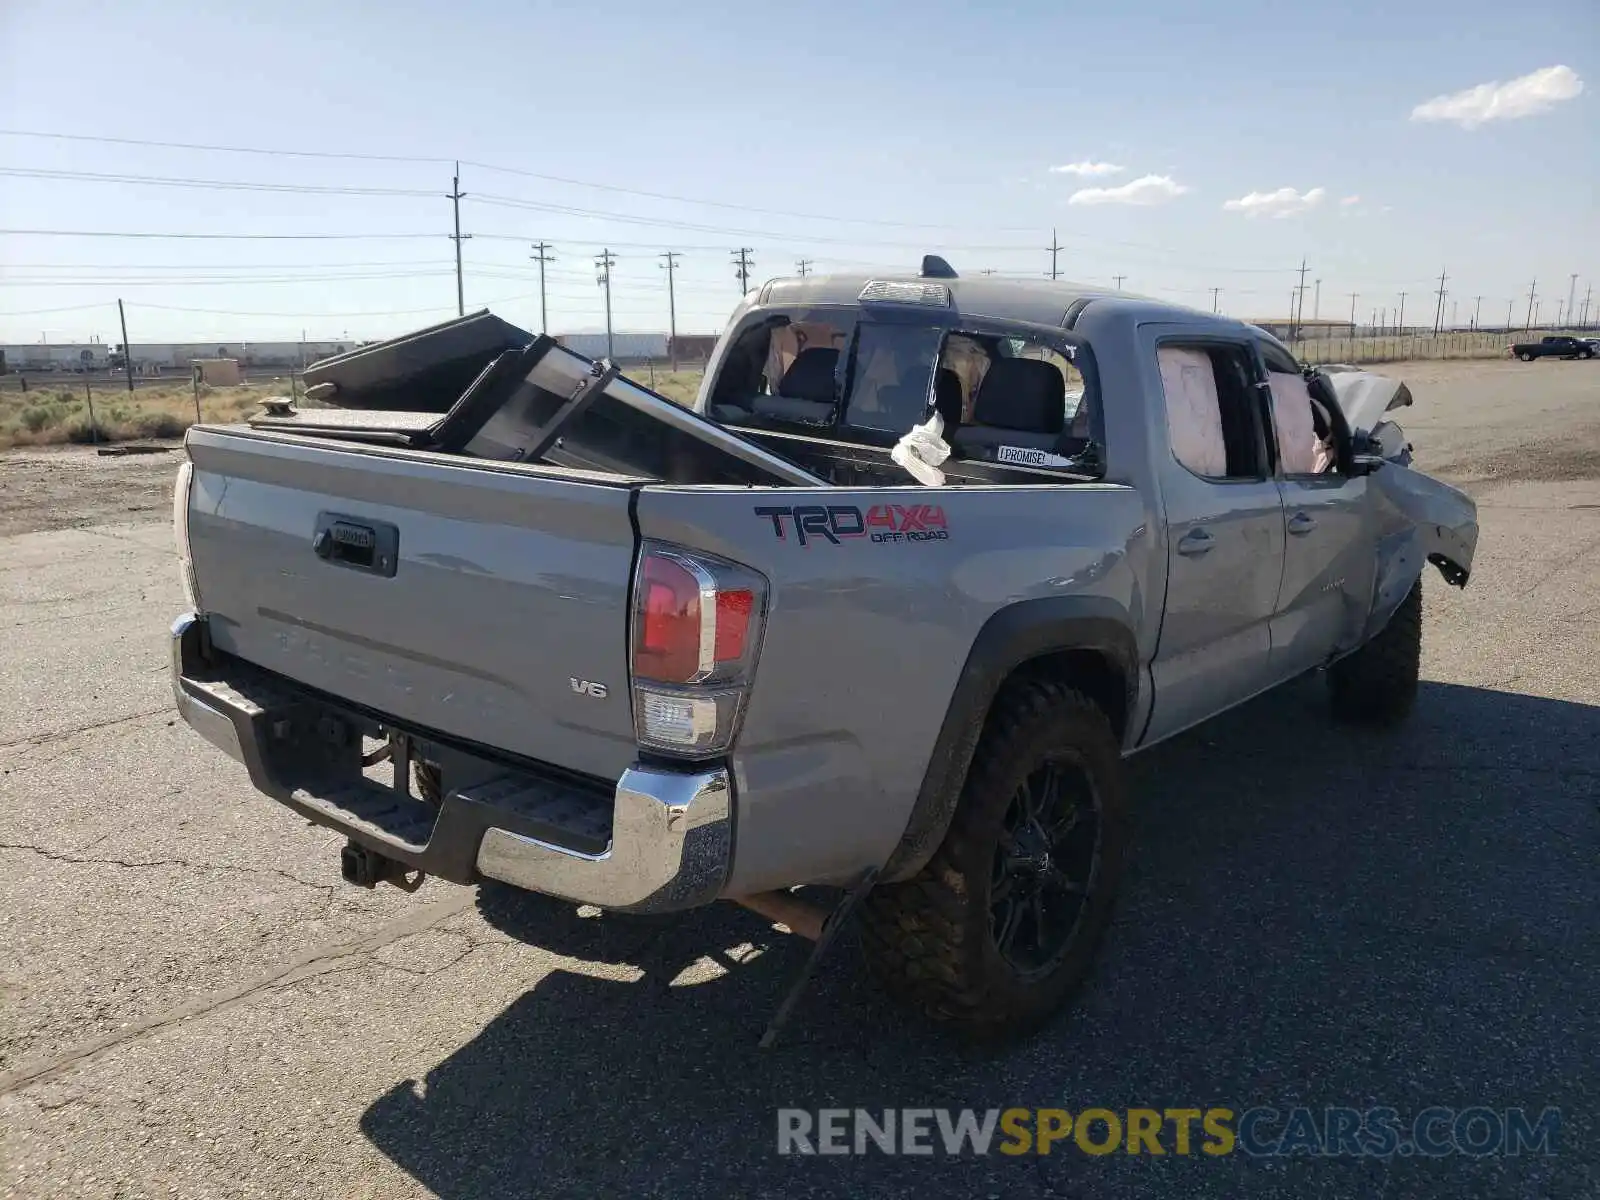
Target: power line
pixel 42 312
pixel 216 237
pixel 211 184
pixel 272 266
pixel 121 141
pixel 213 280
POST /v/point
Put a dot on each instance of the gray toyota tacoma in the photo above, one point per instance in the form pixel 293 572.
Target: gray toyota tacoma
pixel 884 611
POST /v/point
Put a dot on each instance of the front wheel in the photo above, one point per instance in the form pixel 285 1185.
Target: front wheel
pixel 1000 927
pixel 1377 685
pixel 1525 356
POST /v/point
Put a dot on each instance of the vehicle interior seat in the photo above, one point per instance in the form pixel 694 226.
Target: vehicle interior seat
pixel 947 400
pixel 1021 402
pixel 807 391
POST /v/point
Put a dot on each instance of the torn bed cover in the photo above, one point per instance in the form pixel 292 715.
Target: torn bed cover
pixel 545 403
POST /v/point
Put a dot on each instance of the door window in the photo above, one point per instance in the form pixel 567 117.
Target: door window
pixel 1213 415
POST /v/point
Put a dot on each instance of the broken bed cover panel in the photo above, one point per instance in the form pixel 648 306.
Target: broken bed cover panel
pixel 545 403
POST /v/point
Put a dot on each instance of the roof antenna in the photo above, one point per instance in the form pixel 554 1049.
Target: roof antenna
pixel 934 267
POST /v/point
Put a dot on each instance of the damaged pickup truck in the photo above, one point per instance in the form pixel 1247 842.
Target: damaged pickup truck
pixel 885 611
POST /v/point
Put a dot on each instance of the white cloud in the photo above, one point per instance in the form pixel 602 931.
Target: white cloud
pixel 1144 191
pixel 1349 200
pixel 1496 101
pixel 1285 202
pixel 1088 169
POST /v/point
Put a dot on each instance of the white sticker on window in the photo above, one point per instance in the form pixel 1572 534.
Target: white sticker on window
pixel 1028 457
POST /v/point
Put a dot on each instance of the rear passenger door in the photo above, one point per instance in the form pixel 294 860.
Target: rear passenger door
pixel 1225 537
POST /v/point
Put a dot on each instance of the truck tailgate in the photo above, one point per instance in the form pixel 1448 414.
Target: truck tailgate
pixel 499 616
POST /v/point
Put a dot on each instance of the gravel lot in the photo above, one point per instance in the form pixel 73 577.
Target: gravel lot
pixel 192 1004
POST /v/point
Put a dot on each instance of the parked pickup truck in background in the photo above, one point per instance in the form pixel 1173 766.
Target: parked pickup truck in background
pixel 1557 345
pixel 642 657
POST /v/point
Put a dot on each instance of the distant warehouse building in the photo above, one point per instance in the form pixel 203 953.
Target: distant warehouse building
pixel 624 347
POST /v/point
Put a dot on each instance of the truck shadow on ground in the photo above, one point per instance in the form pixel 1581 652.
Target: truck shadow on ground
pixel 1311 916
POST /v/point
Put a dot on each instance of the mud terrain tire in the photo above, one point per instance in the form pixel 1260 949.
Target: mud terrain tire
pixel 1377 685
pixel 935 940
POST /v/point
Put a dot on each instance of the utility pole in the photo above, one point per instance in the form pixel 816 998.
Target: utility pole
pixel 1316 304
pixel 803 266
pixel 1400 321
pixel 1215 292
pixel 1559 310
pixel 1438 312
pixel 127 350
pixel 603 266
pixel 1118 278
pixel 1509 303
pixel 1572 288
pixel 670 265
pixel 1298 296
pixel 1383 319
pixel 1477 307
pixel 1353 296
pixel 741 256
pixel 1055 248
pixel 541 255
pixel 455 202
pixel 1583 321
pixel 1528 323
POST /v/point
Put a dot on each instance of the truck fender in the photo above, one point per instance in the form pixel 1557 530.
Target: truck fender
pixel 1430 522
pixel 1009 639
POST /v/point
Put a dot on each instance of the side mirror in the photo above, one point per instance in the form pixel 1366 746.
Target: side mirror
pixel 1386 443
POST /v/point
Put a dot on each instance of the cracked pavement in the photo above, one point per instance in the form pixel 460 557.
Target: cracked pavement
pixel 192 1004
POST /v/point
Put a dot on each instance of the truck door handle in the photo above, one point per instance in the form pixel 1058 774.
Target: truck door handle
pixel 1301 524
pixel 1194 543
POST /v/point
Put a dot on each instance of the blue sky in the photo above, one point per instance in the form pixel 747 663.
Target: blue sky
pixel 844 133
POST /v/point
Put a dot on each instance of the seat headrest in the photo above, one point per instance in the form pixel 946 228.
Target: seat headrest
pixel 810 375
pixel 1022 393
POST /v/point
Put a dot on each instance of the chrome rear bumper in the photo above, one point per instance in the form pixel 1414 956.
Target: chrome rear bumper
pixel 670 832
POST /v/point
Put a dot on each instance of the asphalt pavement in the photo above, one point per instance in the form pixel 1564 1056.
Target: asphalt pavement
pixel 192 1004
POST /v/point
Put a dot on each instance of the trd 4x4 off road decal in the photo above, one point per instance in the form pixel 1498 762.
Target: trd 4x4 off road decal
pixel 880 523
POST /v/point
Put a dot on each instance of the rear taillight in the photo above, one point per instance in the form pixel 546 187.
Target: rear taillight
pixel 180 532
pixel 696 629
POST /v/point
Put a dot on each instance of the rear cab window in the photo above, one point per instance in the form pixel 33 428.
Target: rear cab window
pixel 1021 399
pixel 868 377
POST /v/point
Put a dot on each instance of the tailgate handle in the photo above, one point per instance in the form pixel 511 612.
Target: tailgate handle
pixel 361 545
